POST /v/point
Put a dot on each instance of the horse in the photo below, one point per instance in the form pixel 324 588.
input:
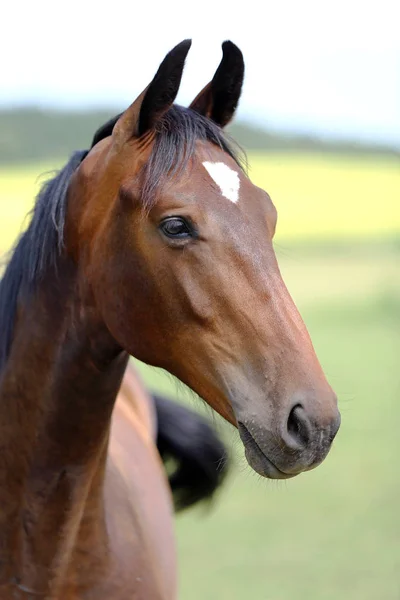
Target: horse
pixel 153 244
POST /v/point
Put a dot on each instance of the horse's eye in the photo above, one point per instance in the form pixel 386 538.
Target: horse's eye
pixel 176 228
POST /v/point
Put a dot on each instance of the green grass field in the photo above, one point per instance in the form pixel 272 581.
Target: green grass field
pixel 334 533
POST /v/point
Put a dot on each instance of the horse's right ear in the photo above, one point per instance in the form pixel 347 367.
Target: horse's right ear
pixel 219 99
pixel 156 99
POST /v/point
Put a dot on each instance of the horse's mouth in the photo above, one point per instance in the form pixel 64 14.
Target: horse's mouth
pixel 257 459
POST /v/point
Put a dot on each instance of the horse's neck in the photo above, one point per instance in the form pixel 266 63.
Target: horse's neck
pixel 57 392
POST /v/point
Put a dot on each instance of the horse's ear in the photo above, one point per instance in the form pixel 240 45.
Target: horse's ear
pixel 219 99
pixel 156 99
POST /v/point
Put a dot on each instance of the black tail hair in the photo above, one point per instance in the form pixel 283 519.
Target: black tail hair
pixel 201 460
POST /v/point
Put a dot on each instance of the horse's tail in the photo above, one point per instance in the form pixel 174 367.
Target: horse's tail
pixel 198 457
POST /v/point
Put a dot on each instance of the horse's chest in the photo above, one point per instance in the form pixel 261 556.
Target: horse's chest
pixel 139 517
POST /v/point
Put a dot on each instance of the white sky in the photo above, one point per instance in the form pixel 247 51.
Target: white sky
pixel 327 67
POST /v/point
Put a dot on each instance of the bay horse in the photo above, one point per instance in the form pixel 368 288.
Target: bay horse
pixel 154 244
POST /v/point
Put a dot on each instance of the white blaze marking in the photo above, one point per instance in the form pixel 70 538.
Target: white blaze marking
pixel 226 178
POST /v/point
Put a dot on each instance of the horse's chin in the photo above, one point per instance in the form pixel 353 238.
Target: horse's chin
pixel 261 464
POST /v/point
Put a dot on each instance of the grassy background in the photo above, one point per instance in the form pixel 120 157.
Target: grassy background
pixel 333 533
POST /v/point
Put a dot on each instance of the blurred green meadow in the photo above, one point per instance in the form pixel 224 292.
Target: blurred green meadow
pixel 333 533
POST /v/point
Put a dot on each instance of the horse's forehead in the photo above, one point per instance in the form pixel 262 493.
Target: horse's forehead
pixel 221 171
pixel 226 178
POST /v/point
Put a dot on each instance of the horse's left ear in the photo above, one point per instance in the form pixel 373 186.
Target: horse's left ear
pixel 219 99
pixel 156 99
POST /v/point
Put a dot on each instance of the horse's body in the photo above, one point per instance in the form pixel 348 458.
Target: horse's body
pixel 153 244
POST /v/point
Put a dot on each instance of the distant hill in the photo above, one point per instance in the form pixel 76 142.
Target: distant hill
pixel 31 134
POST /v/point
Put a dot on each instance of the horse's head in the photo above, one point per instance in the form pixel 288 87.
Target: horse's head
pixel 176 244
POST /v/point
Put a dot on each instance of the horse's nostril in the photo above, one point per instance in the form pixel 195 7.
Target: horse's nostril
pixel 298 428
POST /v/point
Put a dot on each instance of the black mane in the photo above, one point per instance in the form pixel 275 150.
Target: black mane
pixel 37 249
pixel 41 244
